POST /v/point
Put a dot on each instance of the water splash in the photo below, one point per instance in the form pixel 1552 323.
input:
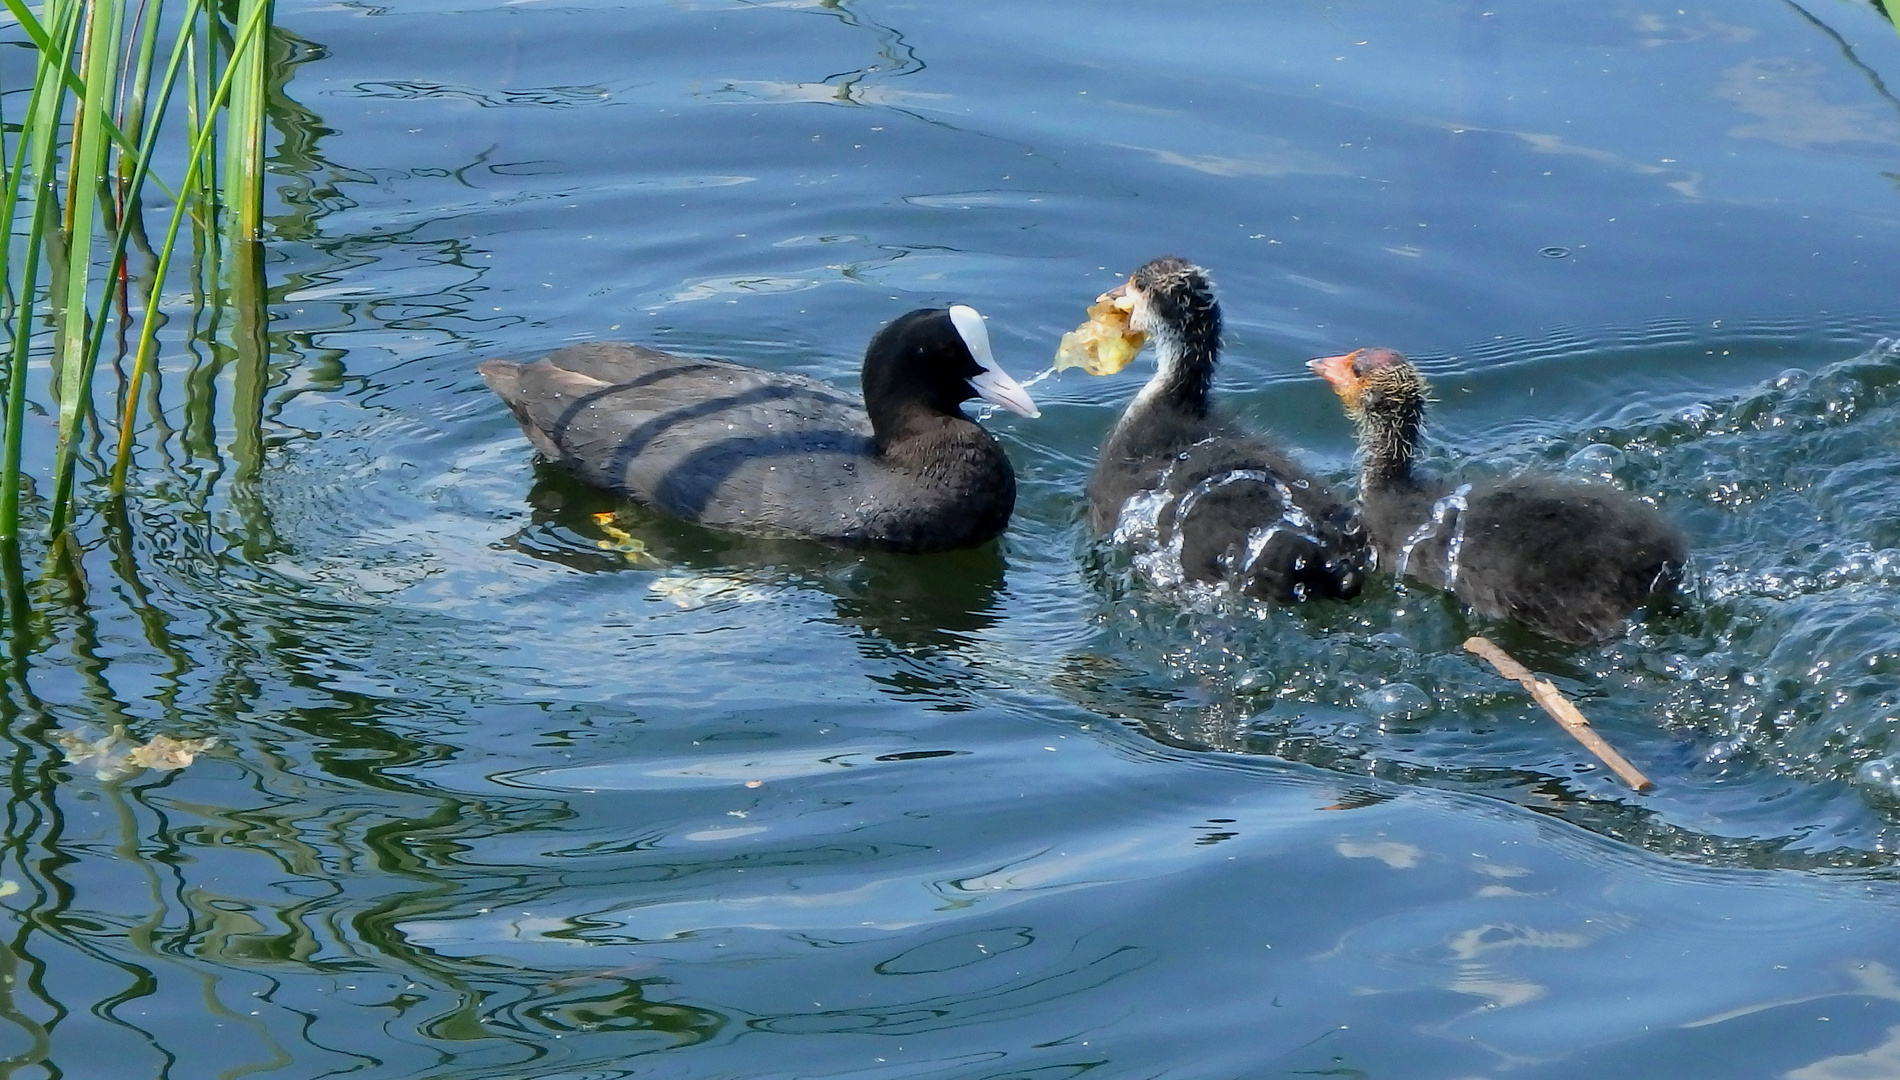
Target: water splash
pixel 1396 701
pixel 1457 545
pixel 1150 527
pixel 1138 528
pixel 1596 460
pixel 1431 527
pixel 1217 481
pixel 1769 696
pixel 1292 519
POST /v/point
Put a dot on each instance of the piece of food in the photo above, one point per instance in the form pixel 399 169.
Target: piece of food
pixel 166 753
pixel 115 756
pixel 1105 343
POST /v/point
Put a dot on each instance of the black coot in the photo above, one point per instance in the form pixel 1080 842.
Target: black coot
pixel 1242 510
pixel 784 455
pixel 1567 558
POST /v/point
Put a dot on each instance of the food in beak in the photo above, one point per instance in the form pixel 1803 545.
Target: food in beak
pixel 1105 343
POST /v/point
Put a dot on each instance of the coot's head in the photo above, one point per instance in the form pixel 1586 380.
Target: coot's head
pixel 933 360
pixel 1172 301
pixel 1386 396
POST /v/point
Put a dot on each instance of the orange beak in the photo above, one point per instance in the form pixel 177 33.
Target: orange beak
pixel 1336 370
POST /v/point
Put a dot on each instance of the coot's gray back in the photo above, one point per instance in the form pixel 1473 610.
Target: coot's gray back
pixel 705 440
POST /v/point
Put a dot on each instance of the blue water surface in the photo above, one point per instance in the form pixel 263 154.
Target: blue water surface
pixel 517 781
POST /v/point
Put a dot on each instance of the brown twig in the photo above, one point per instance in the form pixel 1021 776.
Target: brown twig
pixel 1560 709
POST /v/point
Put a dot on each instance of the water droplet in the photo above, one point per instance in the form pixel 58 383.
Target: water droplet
pixel 1397 701
pixel 1554 252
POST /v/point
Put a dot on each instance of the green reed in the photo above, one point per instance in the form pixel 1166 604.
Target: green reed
pixel 104 123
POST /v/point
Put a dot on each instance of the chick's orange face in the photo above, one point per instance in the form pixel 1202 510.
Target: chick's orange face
pixel 1381 373
pixel 1343 372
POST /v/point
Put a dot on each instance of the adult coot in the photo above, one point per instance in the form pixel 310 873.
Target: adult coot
pixel 1567 558
pixel 785 455
pixel 1232 506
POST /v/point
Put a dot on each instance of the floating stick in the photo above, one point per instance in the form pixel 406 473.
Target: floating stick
pixel 1560 709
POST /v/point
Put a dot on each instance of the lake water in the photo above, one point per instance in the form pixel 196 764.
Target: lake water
pixel 505 792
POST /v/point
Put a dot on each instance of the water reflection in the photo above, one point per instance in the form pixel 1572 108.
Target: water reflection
pixel 932 602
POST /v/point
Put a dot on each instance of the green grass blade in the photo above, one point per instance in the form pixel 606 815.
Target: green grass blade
pixel 43 42
pixel 133 187
pixel 40 139
pixel 243 188
pixel 251 31
pixel 243 198
pixel 66 226
pixel 11 454
pixel 74 359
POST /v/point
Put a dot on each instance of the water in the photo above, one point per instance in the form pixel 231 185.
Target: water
pixel 1448 512
pixel 515 781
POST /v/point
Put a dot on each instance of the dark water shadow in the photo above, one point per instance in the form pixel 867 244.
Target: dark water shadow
pixel 929 603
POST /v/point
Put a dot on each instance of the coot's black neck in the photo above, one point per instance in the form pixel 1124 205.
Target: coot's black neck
pixel 904 430
pixel 957 487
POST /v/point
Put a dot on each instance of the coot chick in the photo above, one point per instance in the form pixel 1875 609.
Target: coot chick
pixel 1567 558
pixel 1240 509
pixel 778 454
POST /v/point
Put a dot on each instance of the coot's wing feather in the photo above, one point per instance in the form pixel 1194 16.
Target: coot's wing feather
pixel 706 440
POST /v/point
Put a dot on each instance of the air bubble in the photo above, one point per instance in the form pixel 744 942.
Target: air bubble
pixel 1700 414
pixel 1397 701
pixel 1881 775
pixel 1597 459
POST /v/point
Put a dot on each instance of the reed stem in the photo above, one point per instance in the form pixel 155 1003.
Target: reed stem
pixel 69 229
